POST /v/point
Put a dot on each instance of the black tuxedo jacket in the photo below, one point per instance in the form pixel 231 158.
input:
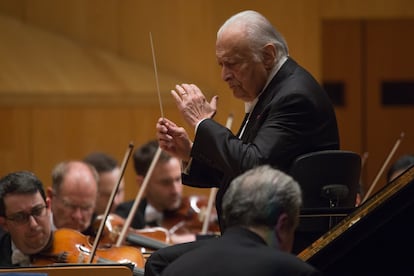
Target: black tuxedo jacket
pixel 237 252
pixel 5 250
pixel 293 116
pixel 138 221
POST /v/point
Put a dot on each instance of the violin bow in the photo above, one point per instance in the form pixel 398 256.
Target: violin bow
pixel 138 198
pixel 213 191
pixel 154 161
pixel 110 202
pixel 364 159
pixel 381 171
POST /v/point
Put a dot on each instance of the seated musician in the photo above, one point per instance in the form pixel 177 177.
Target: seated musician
pixel 260 215
pixel 25 217
pixel 398 167
pixel 163 194
pixel 109 171
pixel 73 196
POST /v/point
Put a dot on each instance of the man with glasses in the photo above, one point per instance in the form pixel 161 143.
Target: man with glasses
pixel 25 217
pixel 73 195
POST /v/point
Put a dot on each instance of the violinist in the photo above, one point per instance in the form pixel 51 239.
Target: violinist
pixel 25 217
pixel 73 196
pixel 163 194
pixel 109 171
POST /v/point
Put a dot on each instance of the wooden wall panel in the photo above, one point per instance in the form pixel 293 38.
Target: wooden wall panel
pixel 184 36
pixel 16 142
pixel 15 8
pixel 37 138
pixel 389 57
pixel 380 51
pixel 341 40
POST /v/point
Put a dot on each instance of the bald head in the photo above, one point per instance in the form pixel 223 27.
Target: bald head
pixel 73 194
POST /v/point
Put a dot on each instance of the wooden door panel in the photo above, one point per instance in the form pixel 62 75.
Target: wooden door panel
pixel 341 66
pixel 373 60
pixel 389 58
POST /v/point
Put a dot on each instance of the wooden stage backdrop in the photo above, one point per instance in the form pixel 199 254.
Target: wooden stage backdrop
pixel 76 76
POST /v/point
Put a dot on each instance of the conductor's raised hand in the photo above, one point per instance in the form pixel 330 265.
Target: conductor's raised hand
pixel 173 139
pixel 192 103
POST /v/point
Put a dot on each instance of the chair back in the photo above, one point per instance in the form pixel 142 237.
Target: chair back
pixel 317 171
pixel 329 181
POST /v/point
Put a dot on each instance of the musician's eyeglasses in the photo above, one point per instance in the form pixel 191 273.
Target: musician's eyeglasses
pixel 24 217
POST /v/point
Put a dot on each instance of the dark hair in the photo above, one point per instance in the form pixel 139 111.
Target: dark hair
pixel 101 161
pixel 21 182
pixel 404 162
pixel 144 155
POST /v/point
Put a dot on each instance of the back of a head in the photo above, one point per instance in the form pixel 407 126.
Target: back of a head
pixel 259 196
pixel 258 31
pixel 399 166
pixel 21 182
pixel 101 161
pixel 144 155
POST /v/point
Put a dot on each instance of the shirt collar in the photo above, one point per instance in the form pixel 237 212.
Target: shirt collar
pixel 18 257
pixel 248 106
pixel 151 214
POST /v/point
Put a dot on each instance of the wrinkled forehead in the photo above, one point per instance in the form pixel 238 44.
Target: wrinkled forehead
pixel 231 37
pixel 232 46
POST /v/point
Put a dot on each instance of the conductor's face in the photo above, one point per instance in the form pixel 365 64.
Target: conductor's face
pixel 245 73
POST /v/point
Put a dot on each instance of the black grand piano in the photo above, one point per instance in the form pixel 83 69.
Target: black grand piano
pixel 377 238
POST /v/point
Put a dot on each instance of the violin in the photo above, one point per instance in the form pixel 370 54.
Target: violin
pixel 189 217
pixel 70 246
pixel 181 225
pixel 147 239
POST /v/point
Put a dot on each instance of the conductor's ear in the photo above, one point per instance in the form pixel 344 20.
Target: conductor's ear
pixel 269 56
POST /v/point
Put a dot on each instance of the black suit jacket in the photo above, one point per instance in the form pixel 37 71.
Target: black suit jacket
pixel 138 221
pixel 293 116
pixel 5 250
pixel 237 252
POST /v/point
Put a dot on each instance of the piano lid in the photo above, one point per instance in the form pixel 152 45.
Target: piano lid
pixel 372 240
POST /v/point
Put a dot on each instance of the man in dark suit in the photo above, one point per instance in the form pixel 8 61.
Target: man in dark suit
pixel 260 212
pixel 25 217
pixel 287 112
